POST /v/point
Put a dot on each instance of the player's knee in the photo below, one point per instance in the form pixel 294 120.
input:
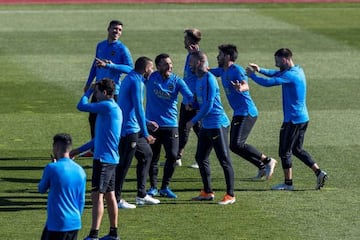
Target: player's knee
pixel 237 147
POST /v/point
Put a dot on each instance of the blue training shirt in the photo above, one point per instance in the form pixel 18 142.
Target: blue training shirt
pixel 107 128
pixel 189 77
pixel 130 100
pixel 241 102
pixel 66 181
pixel 211 111
pixel 162 98
pixel 293 83
pixel 120 57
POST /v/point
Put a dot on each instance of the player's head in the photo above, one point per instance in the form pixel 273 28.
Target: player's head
pixel 104 89
pixel 198 63
pixel 192 37
pixel 164 64
pixel 227 52
pixel 114 30
pixel 62 142
pixel 283 58
pixel 114 23
pixel 145 66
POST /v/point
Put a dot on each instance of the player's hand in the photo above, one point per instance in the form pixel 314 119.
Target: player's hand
pixel 255 67
pixel 101 63
pixel 74 153
pixel 240 86
pixel 152 126
pixel 250 71
pixel 193 47
pixel 150 139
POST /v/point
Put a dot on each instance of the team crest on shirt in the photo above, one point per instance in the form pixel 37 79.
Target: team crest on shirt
pixel 113 53
pixel 171 87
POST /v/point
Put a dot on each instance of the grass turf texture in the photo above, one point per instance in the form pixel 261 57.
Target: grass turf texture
pixel 46 53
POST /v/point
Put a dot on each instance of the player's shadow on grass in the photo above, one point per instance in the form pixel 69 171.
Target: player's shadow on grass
pixel 21 180
pixel 21 168
pixel 24 203
pixel 20 203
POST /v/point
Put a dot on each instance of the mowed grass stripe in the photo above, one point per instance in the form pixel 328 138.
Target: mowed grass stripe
pixel 53 58
pixel 342 126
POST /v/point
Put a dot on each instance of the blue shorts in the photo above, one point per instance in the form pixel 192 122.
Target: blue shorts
pixel 103 177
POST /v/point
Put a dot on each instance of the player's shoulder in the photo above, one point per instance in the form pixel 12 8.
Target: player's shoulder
pixel 210 75
pixel 175 77
pixel 237 67
pixel 102 42
pixel 120 45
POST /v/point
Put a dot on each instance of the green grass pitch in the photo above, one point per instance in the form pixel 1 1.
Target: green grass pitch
pixel 45 56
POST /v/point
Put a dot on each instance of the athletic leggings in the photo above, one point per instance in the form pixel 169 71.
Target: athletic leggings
pixel 133 145
pixel 169 138
pixel 184 132
pixel 291 142
pixel 217 139
pixel 240 129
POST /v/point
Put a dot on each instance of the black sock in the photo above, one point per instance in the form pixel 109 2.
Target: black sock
pixel 288 182
pixel 94 233
pixel 113 232
pixel 267 160
pixel 317 172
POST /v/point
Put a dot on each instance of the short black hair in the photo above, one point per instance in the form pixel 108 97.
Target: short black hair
pixel 141 63
pixel 160 57
pixel 229 49
pixel 115 22
pixel 283 52
pixel 64 140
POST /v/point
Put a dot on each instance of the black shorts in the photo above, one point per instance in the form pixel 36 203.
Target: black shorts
pixel 54 235
pixel 103 177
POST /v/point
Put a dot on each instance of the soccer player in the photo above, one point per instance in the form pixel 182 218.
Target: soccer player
pixel 245 112
pixel 162 90
pixel 213 132
pixel 112 58
pixel 135 138
pixel 106 154
pixel 66 182
pixel 192 39
pixel 296 118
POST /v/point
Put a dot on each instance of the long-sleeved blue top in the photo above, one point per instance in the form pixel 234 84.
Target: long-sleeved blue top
pixel 293 83
pixel 189 77
pixel 107 128
pixel 120 57
pixel 130 100
pixel 211 113
pixel 162 98
pixel 241 102
pixel 66 182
